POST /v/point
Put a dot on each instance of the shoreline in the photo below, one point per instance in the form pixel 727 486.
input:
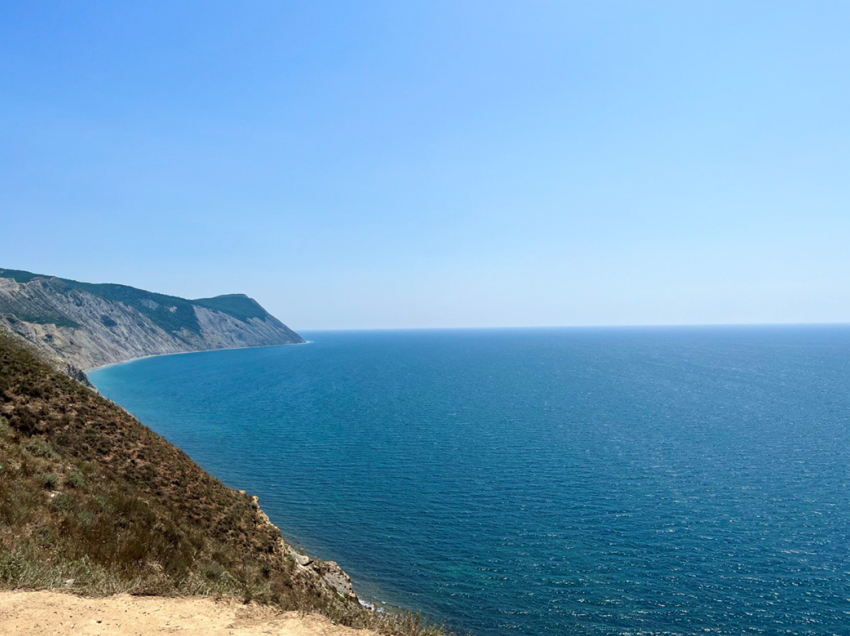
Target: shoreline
pixel 183 353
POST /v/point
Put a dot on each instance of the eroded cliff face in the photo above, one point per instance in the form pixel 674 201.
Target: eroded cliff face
pixel 87 326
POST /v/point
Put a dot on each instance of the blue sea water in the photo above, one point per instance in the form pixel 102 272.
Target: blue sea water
pixel 537 482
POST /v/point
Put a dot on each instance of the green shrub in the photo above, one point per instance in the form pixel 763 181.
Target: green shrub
pixel 39 447
pixel 75 480
pixel 48 481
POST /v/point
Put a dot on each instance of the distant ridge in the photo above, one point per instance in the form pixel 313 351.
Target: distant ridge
pixel 87 325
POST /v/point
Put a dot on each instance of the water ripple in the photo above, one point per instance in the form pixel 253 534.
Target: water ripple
pixel 653 481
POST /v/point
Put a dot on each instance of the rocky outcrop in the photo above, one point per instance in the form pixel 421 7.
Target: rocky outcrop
pixel 329 573
pixel 85 325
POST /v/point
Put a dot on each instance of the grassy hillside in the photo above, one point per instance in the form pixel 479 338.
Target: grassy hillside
pixel 93 501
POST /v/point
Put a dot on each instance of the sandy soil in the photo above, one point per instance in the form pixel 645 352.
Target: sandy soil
pixel 52 613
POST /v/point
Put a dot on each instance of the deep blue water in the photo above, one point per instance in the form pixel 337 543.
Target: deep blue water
pixel 535 482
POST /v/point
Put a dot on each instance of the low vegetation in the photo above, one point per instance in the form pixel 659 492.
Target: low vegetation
pixel 239 306
pixel 94 502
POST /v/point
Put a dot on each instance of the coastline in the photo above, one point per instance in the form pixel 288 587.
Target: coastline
pixel 183 353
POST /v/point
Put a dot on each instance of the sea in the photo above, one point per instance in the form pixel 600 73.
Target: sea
pixel 534 482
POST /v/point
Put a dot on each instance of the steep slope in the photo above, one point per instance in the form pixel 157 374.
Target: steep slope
pixel 94 502
pixel 89 493
pixel 88 325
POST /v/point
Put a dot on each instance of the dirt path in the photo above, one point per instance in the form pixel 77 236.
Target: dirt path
pixel 52 613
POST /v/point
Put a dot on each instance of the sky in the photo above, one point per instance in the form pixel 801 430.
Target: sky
pixel 439 163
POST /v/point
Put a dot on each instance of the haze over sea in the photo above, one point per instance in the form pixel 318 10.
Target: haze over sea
pixel 542 481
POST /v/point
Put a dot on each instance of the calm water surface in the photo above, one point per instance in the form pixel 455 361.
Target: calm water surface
pixel 536 482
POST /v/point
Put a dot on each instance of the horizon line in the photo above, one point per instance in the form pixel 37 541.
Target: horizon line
pixel 607 326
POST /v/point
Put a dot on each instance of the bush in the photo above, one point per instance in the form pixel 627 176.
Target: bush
pixel 49 481
pixel 75 480
pixel 39 447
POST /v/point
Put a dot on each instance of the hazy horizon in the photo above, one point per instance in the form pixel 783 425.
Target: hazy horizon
pixel 435 164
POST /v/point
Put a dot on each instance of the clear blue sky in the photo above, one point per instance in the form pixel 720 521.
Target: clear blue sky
pixel 437 163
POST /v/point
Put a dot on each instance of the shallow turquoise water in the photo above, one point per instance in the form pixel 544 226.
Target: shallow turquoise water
pixel 535 482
